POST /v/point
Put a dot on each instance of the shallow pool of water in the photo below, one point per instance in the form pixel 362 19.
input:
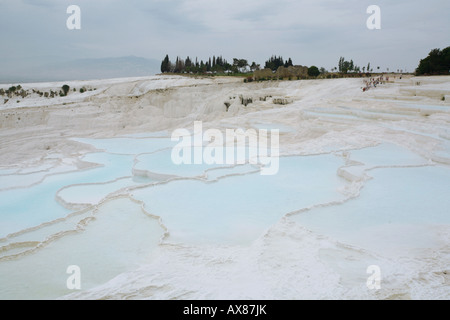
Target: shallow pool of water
pixel 120 238
pixel 398 208
pixel 238 209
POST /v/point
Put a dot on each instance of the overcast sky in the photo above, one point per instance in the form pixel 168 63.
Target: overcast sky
pixel 311 32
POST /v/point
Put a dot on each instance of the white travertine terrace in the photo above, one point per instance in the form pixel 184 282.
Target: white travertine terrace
pixel 364 180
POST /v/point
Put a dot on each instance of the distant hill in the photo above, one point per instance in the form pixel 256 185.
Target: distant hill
pixel 82 69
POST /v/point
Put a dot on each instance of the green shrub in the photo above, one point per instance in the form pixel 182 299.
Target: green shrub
pixel 65 89
pixel 313 71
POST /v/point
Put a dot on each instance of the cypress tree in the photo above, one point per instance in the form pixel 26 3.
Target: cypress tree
pixel 165 65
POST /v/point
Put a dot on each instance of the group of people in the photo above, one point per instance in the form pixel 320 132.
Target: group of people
pixel 373 82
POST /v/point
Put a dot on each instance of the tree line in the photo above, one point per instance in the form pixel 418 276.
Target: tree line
pixel 436 63
pixel 220 65
pixel 345 66
pixel 212 65
pixel 275 62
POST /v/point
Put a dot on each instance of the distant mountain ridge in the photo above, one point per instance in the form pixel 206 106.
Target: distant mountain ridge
pixel 83 69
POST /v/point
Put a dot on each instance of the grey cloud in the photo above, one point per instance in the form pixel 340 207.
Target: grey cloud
pixel 310 31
